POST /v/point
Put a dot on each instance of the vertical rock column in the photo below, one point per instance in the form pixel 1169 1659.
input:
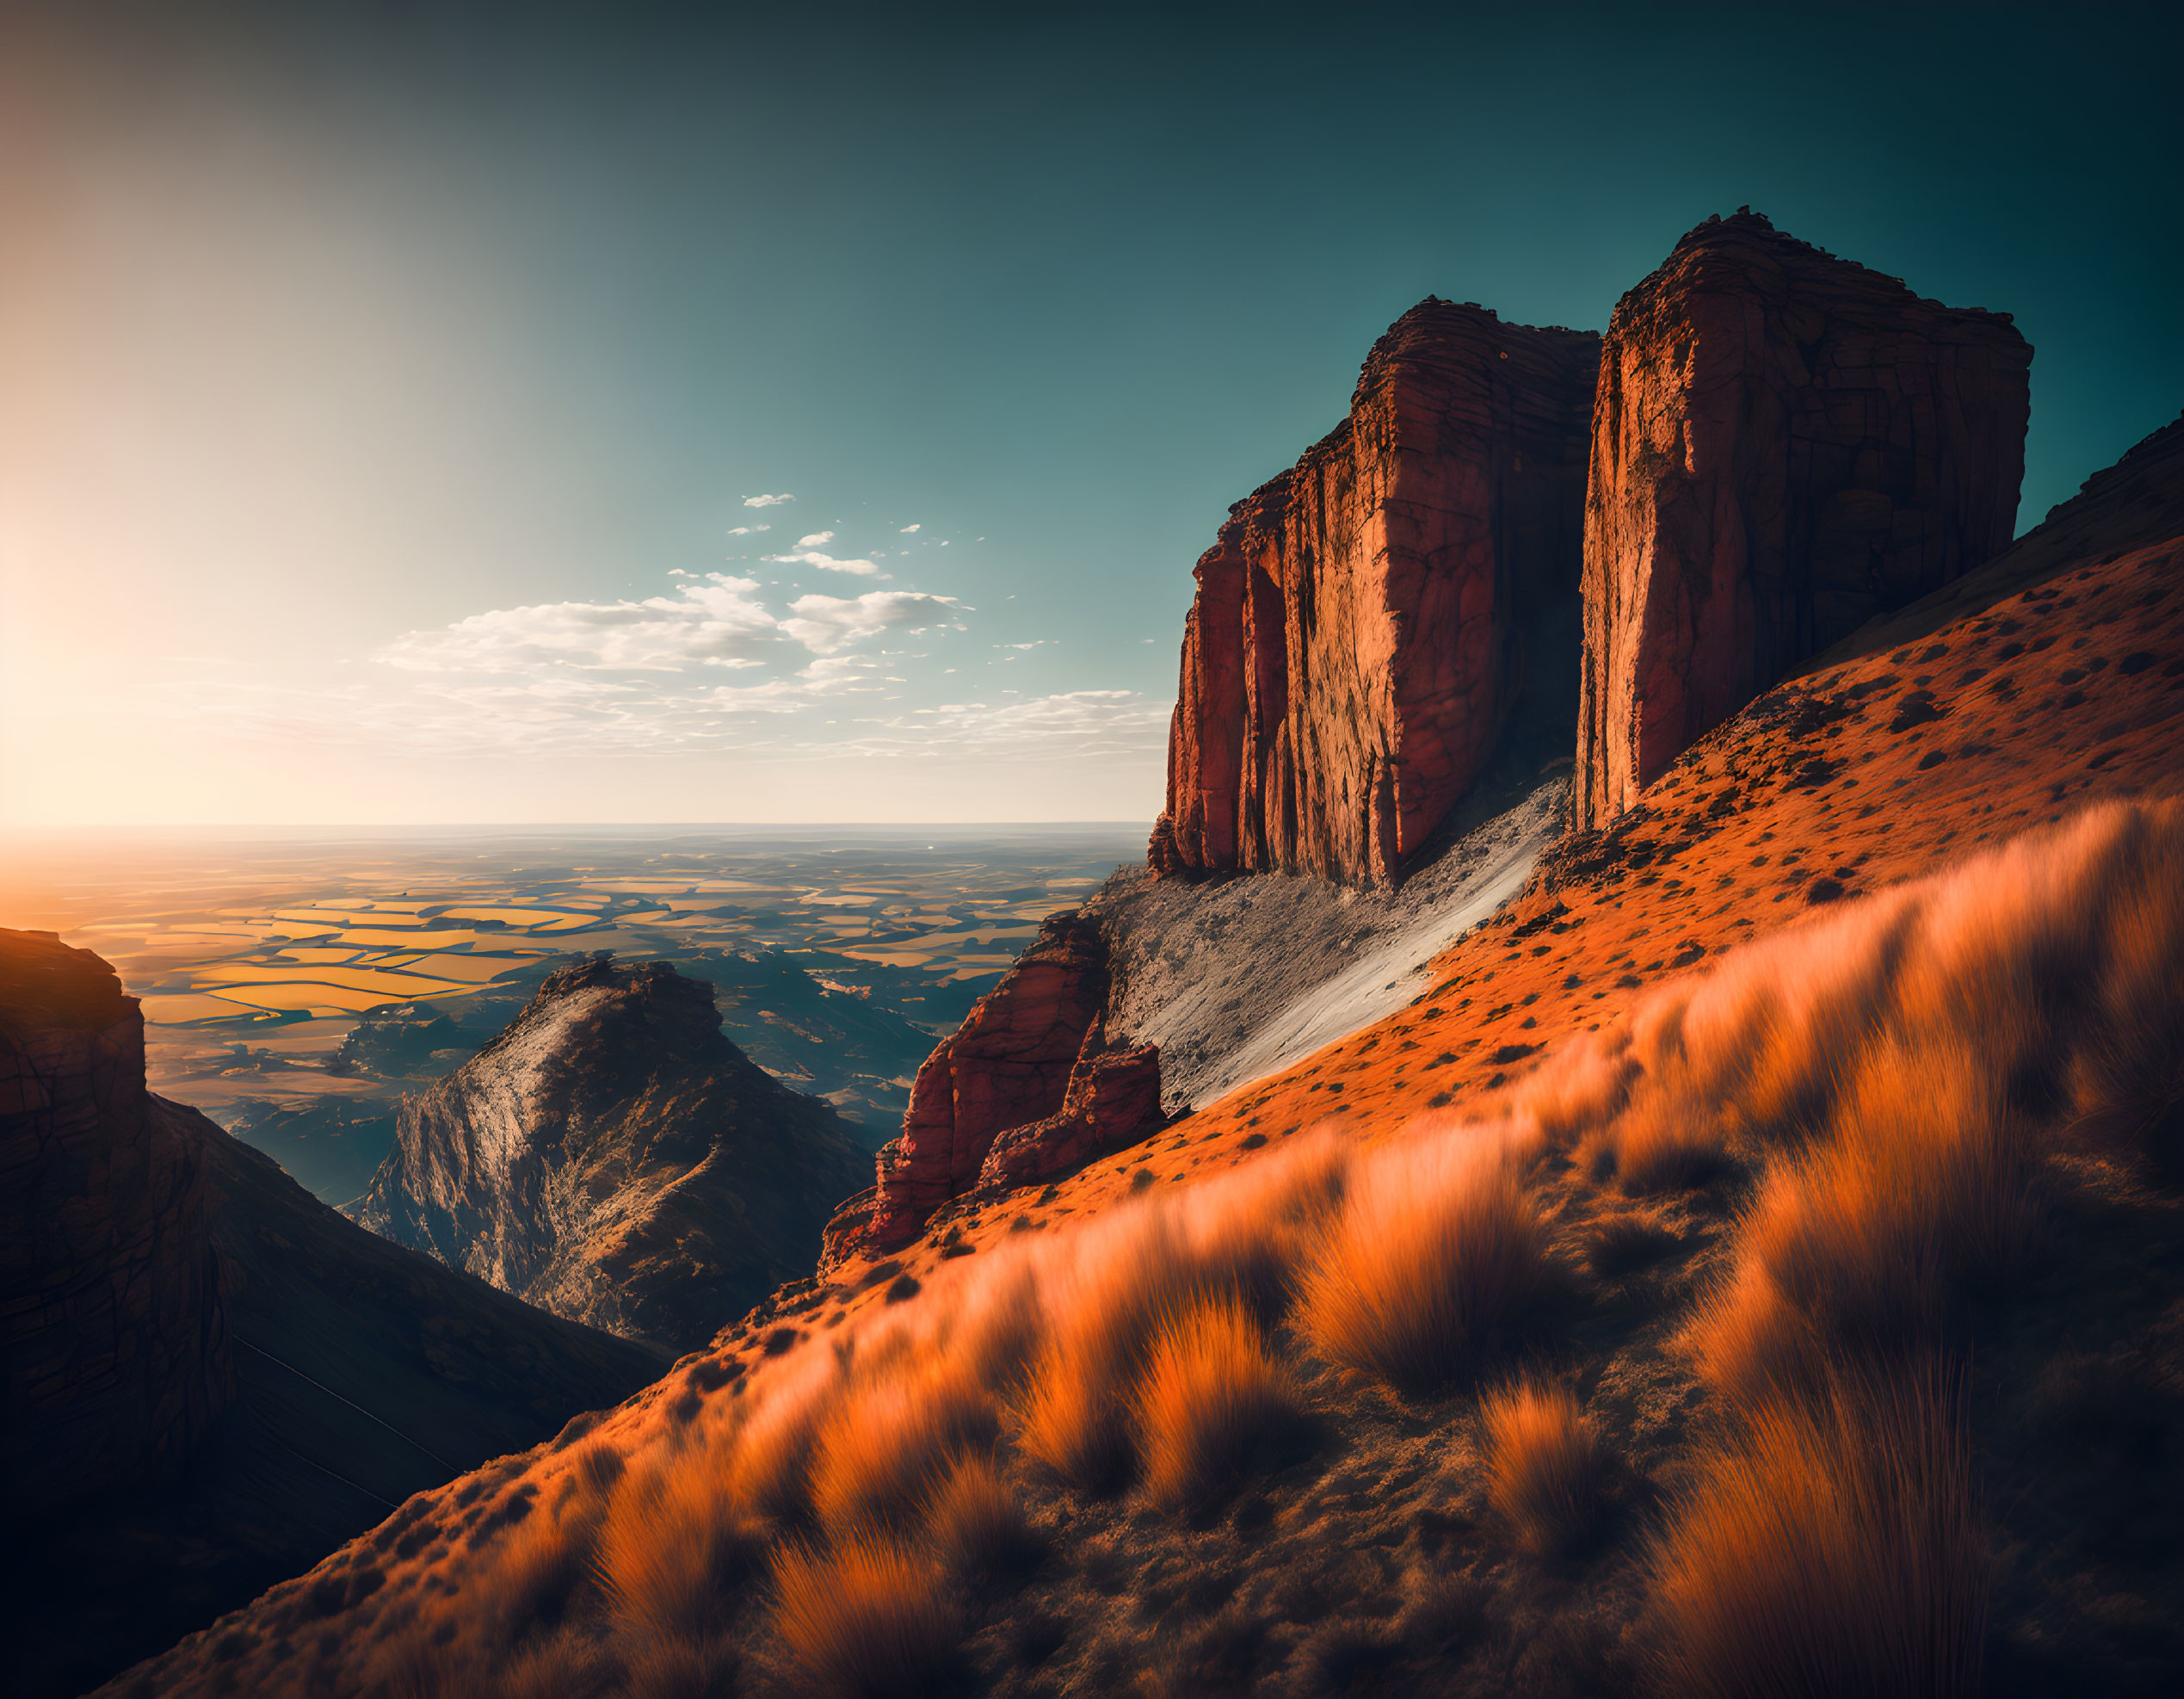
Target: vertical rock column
pixel 1785 444
pixel 114 1344
pixel 1367 623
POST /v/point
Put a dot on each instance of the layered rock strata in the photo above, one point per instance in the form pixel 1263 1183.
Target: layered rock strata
pixel 1366 624
pixel 1027 1088
pixel 614 1158
pixel 1785 445
pixel 114 1343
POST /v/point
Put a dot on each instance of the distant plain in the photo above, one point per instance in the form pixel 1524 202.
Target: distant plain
pixel 840 953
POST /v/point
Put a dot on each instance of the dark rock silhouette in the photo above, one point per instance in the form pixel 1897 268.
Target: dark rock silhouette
pixel 113 1335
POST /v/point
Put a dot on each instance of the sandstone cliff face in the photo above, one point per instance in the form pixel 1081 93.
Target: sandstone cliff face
pixel 1025 1090
pixel 1367 623
pixel 113 1334
pixel 1785 445
pixel 612 1157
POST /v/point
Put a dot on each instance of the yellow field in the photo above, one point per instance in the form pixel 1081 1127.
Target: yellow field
pixel 329 1000
pixel 393 986
pixel 180 1010
pixel 536 920
pixel 474 970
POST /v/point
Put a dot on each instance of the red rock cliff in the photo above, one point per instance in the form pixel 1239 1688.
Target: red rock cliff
pixel 1025 1090
pixel 1366 623
pixel 113 1336
pixel 1785 444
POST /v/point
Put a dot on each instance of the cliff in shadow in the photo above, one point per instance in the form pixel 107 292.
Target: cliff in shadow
pixel 239 1378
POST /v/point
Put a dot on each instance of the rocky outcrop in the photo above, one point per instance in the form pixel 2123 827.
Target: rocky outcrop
pixel 1367 624
pixel 113 1340
pixel 612 1157
pixel 1785 445
pixel 1111 1096
pixel 1027 1088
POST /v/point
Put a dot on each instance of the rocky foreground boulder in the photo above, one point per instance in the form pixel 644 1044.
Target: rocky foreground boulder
pixel 1785 445
pixel 1367 623
pixel 1027 1089
pixel 614 1158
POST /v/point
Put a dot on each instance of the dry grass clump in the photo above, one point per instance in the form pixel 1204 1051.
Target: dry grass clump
pixel 1215 1401
pixel 1547 1466
pixel 866 1619
pixel 1436 1246
pixel 1831 1545
pixel 1075 1416
pixel 673 1549
pixel 770 1468
pixel 668 1669
pixel 977 1522
pixel 885 1444
pixel 1857 1244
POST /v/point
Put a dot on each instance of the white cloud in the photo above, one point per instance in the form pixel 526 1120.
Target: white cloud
pixel 739 530
pixel 710 622
pixel 907 530
pixel 1073 725
pixel 812 557
pixel 824 624
pixel 817 539
pixel 767 501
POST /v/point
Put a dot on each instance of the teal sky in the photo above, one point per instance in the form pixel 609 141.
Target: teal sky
pixel 360 366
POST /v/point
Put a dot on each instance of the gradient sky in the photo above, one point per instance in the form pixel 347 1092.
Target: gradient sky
pixel 401 404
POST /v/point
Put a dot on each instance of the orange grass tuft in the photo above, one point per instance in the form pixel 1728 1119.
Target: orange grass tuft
pixel 1833 1547
pixel 771 1467
pixel 1075 1416
pixel 673 1547
pixel 1547 1466
pixel 1215 1401
pixel 865 1620
pixel 1437 1246
pixel 886 1443
pixel 1857 1244
pixel 977 1522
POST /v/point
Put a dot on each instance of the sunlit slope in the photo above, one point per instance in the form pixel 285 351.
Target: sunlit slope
pixel 1854 1044
pixel 1663 1366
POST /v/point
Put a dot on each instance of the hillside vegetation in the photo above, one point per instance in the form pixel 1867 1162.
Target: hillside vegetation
pixel 1816 1329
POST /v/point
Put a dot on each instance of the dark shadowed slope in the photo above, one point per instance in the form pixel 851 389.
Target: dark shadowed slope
pixel 614 1158
pixel 351 1373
